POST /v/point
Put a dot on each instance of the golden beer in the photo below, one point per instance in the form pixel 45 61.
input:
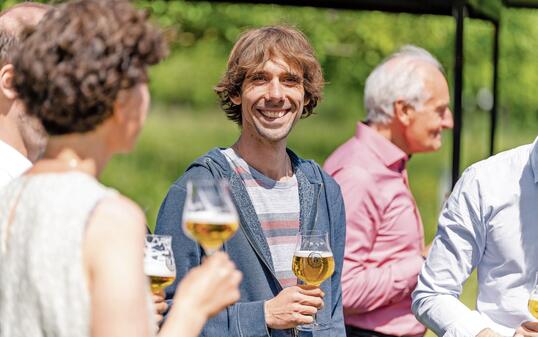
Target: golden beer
pixel 313 267
pixel 533 307
pixel 211 231
pixel 158 283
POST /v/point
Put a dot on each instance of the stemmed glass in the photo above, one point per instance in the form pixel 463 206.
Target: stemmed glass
pixel 533 298
pixel 313 263
pixel 159 264
pixel 209 215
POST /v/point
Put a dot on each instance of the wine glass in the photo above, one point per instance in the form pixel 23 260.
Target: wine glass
pixel 159 263
pixel 209 215
pixel 533 298
pixel 313 263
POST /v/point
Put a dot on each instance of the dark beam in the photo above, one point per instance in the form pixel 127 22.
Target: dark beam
pixel 459 14
pixel 521 3
pixel 494 108
pixel 435 7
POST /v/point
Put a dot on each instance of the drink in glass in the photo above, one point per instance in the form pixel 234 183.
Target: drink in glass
pixel 313 267
pixel 313 263
pixel 159 263
pixel 209 215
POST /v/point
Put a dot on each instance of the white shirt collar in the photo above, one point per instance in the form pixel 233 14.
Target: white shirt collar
pixel 12 163
pixel 534 160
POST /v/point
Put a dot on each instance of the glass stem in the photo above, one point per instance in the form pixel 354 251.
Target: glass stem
pixel 209 251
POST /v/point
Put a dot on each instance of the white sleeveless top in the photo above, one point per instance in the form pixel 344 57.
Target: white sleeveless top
pixel 43 289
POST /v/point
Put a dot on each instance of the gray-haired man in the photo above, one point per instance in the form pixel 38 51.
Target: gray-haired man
pixel 406 99
pixel 22 138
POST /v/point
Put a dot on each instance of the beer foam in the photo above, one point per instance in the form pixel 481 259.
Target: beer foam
pixel 211 217
pixel 306 253
pixel 158 269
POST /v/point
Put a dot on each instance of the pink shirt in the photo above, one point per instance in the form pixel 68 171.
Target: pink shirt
pixel 384 237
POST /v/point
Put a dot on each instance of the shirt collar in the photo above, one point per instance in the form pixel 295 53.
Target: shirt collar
pixel 389 154
pixel 534 160
pixel 13 162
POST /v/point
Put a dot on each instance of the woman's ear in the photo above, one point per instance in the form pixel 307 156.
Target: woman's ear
pixel 119 113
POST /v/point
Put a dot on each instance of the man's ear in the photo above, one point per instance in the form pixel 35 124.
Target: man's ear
pixel 7 73
pixel 236 99
pixel 403 112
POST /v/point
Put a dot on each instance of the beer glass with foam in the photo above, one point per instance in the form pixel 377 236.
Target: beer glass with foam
pixel 159 263
pixel 313 263
pixel 209 215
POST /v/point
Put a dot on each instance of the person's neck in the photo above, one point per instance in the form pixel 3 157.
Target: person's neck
pixel 76 152
pixel 271 160
pixel 392 133
pixel 9 132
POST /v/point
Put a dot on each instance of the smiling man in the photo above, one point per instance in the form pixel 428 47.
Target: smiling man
pixel 272 80
pixel 406 99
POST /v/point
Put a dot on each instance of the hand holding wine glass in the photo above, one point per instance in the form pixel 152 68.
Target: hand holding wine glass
pixel 313 263
pixel 528 328
pixel 212 286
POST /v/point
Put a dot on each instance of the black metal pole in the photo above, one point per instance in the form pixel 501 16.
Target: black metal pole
pixel 459 8
pixel 494 108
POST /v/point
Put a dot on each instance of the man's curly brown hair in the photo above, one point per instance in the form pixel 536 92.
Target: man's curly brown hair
pixel 257 46
pixel 71 67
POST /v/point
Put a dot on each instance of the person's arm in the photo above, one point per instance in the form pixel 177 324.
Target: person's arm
pixel 113 259
pixel 456 250
pixel 338 223
pixel 366 288
pixel 113 256
pixel 204 292
pixel 526 329
pixel 187 253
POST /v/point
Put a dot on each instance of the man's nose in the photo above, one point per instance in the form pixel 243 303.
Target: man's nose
pixel 274 91
pixel 448 121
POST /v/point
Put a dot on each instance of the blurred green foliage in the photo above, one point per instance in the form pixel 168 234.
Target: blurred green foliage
pixel 349 44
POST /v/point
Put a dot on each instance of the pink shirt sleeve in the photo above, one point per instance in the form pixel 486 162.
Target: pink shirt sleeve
pixel 367 284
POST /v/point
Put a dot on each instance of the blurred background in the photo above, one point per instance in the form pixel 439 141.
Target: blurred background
pixel 185 120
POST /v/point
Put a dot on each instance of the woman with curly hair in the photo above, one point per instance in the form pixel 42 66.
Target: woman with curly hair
pixel 70 248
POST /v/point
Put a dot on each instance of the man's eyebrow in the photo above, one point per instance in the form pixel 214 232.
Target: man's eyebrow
pixel 256 72
pixel 292 74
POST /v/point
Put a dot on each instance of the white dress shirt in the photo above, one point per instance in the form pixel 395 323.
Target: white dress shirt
pixel 489 222
pixel 12 163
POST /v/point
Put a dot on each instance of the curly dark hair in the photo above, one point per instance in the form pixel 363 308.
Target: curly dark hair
pixel 255 47
pixel 71 67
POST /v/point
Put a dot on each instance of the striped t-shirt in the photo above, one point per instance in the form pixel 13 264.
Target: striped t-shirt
pixel 277 206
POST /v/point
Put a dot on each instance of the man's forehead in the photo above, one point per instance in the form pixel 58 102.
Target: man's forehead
pixel 285 66
pixel 17 18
